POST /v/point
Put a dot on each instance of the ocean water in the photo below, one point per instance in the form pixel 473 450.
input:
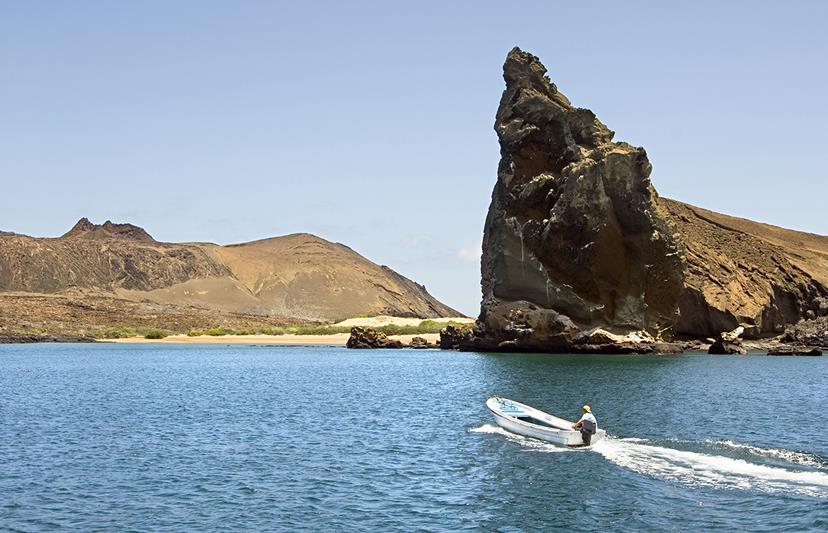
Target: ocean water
pixel 255 438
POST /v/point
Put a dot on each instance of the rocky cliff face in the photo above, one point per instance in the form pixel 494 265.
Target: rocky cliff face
pixel 576 239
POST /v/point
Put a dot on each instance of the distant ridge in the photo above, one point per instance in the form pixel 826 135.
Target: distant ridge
pixel 298 277
pixel 84 229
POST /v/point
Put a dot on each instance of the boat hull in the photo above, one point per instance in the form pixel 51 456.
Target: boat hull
pixel 513 417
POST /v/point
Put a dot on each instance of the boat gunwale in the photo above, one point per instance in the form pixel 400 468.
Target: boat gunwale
pixel 523 422
pixel 552 434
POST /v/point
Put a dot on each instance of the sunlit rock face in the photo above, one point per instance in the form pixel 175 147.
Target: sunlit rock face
pixel 580 254
pixel 574 238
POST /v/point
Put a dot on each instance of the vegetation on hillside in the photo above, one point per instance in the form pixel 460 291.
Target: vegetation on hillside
pixel 126 332
pixel 425 326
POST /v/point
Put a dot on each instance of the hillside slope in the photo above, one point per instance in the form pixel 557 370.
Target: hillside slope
pixel 297 276
pixel 740 272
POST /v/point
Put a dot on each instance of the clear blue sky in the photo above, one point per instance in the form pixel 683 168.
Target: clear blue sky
pixel 371 123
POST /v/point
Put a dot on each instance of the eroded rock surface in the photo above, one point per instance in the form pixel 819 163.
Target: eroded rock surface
pixel 808 333
pixel 576 238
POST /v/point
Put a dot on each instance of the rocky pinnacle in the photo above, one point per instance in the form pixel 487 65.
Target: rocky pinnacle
pixel 574 237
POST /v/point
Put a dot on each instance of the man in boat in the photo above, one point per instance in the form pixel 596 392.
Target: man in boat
pixel 587 424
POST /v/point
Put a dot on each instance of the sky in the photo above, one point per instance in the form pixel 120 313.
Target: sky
pixel 371 123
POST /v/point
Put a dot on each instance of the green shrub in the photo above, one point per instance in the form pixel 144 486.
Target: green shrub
pixel 215 331
pixel 425 326
pixel 317 329
pixel 219 331
pixel 156 334
pixel 110 333
pixel 272 330
pixel 125 332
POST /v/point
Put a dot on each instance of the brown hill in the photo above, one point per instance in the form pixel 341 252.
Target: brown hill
pixel 740 272
pixel 296 277
pixel 98 259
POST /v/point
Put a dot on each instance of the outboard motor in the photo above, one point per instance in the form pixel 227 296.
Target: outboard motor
pixel 588 429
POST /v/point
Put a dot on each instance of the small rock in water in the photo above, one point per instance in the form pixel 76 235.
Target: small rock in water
pixel 362 337
pixel 723 347
pixel 795 350
pixel 420 343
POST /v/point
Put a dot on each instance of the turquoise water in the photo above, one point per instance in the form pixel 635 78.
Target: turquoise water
pixel 183 438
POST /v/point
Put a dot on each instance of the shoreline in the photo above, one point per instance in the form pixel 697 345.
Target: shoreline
pixel 337 339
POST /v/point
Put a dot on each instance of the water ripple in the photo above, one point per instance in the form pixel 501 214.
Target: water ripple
pixel 176 438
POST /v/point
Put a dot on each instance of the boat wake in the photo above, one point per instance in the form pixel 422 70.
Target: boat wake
pixel 526 442
pixel 792 472
pixel 719 471
pixel 798 458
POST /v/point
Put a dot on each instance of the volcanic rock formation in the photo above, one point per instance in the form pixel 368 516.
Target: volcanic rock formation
pixel 577 239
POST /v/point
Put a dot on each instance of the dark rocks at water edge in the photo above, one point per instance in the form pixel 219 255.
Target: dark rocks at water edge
pixel 728 343
pixel 723 347
pixel 808 332
pixel 795 350
pixel 7 337
pixel 452 337
pixel 580 255
pixel 362 337
pixel 419 343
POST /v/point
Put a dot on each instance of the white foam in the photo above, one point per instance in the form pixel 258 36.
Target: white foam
pixel 698 469
pixel 799 458
pixel 529 443
pixel 488 428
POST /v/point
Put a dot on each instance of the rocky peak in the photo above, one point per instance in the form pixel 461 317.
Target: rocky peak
pixel 525 70
pixel 538 129
pixel 579 251
pixel 574 238
pixel 84 229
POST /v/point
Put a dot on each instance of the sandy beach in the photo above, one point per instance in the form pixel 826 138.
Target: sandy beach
pixel 384 320
pixel 338 339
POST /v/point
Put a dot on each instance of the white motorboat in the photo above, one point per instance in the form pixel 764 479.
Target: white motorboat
pixel 530 422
